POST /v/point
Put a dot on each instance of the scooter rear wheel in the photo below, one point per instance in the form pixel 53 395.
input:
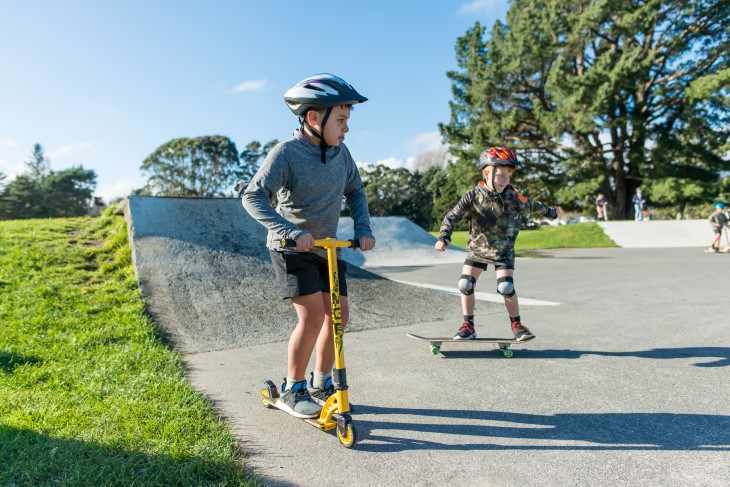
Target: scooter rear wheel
pixel 265 398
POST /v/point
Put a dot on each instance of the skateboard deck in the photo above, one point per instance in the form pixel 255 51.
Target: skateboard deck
pixel 502 343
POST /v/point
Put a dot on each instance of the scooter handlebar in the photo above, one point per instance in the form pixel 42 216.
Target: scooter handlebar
pixel 289 243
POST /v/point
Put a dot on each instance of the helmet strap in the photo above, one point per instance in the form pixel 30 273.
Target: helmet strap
pixel 322 143
pixel 489 183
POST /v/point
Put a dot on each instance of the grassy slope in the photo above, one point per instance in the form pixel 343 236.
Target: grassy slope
pixel 90 396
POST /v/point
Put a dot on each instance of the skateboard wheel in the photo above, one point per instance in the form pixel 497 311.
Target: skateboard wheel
pixel 507 353
pixel 435 348
pixel 349 438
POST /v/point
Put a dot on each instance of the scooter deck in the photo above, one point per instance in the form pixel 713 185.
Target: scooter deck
pixel 330 418
pixel 502 343
pixel 313 421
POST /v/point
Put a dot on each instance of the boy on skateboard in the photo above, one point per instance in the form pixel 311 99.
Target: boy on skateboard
pixel 308 175
pixel 493 209
pixel 718 220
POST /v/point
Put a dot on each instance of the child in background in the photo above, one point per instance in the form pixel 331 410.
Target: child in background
pixel 639 201
pixel 718 220
pixel 601 207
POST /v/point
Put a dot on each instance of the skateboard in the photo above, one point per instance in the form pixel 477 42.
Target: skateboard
pixel 502 343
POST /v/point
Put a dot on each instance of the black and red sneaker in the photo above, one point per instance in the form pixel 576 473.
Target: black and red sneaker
pixel 521 332
pixel 466 332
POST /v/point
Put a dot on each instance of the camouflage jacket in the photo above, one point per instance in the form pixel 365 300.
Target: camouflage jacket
pixel 494 222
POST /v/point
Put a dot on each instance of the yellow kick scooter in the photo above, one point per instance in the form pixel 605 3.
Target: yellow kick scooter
pixel 336 410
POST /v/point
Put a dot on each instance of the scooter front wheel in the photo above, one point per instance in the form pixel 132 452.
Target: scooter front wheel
pixel 349 438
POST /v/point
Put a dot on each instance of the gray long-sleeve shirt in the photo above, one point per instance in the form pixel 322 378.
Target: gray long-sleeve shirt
pixel 309 193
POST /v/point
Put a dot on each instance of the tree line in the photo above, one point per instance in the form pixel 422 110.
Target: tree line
pixel 40 192
pixel 594 96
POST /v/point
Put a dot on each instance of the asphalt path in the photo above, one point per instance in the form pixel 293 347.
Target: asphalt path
pixel 627 383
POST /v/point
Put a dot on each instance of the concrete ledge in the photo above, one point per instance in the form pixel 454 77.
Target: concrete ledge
pixel 659 233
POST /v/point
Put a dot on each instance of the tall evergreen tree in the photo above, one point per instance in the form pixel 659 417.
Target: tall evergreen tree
pixel 38 167
pixel 597 95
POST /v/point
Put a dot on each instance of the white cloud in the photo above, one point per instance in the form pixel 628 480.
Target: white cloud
pixel 481 6
pixel 250 86
pixel 8 143
pixel 424 141
pixel 70 149
pixel 11 170
pixel 119 189
pixel 429 150
pixel 391 162
pixel 105 108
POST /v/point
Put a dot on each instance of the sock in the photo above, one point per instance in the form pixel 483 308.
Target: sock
pixel 470 319
pixel 290 383
pixel 320 379
pixel 515 318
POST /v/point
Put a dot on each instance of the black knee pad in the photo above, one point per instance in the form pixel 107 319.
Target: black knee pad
pixel 506 286
pixel 466 284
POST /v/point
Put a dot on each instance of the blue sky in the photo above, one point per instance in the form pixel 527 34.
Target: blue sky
pixel 103 84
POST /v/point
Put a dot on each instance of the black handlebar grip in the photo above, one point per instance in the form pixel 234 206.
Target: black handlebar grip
pixel 289 243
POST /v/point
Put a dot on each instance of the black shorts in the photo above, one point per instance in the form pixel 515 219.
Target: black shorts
pixel 304 273
pixel 483 265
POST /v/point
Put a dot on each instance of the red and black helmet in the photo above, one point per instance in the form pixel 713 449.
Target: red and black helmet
pixel 498 156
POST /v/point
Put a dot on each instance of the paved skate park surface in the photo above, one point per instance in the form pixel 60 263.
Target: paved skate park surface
pixel 628 382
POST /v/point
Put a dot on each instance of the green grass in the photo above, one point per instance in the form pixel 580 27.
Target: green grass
pixel 89 395
pixel 574 236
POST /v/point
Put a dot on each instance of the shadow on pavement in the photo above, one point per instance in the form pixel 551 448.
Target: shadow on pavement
pixel 722 354
pixel 608 431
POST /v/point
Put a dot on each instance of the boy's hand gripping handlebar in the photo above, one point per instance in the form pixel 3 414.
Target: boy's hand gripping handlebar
pixel 324 243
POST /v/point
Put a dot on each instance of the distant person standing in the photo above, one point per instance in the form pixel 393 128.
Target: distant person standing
pixel 718 220
pixel 639 203
pixel 601 209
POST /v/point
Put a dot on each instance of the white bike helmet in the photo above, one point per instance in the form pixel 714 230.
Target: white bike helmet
pixel 321 91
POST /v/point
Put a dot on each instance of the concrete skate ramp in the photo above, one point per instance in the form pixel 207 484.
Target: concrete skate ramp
pixel 208 282
pixel 659 233
pixel 400 242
